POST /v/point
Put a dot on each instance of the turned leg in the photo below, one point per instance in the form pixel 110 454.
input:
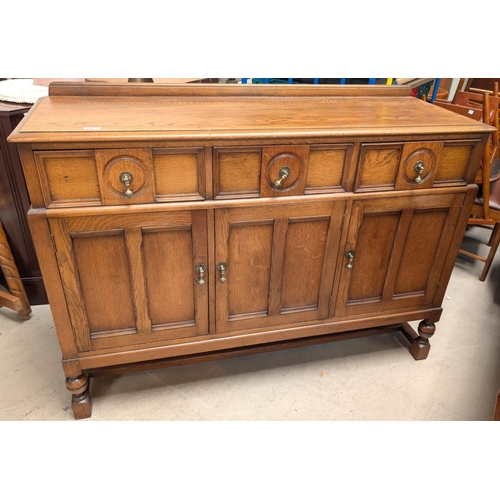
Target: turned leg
pixel 81 402
pixel 420 345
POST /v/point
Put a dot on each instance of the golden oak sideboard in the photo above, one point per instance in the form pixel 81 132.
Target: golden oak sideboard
pixel 180 223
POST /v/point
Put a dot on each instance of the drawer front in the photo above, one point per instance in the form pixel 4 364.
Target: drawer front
pixel 68 178
pixel 414 165
pixel 274 171
pixel 121 176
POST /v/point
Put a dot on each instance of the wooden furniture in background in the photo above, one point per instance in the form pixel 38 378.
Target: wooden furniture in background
pixel 15 203
pixel 16 299
pixel 496 414
pixel 180 223
pixel 484 107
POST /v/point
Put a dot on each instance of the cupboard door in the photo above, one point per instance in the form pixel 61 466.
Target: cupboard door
pixel 278 264
pixel 132 279
pixel 395 252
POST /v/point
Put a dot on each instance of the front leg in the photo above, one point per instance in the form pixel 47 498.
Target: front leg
pixel 420 345
pixel 81 402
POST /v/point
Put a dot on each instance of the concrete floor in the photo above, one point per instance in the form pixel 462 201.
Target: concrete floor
pixel 362 379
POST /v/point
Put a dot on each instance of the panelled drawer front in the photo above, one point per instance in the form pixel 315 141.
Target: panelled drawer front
pixel 274 171
pixel 68 178
pixel 121 176
pixel 414 165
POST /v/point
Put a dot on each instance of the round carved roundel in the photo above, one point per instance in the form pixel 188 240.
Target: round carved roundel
pixel 125 164
pixel 419 166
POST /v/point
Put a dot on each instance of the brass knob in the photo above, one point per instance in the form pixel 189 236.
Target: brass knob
pixel 222 266
pixel 283 172
pixel 419 168
pixel 350 255
pixel 200 270
pixel 127 178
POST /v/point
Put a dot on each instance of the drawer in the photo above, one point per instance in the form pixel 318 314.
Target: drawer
pixel 274 171
pixel 414 165
pixel 121 176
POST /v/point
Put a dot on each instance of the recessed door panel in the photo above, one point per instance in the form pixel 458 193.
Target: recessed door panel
pixel 168 263
pixel 376 234
pixel 249 254
pixel 103 265
pixel 420 251
pixel 303 263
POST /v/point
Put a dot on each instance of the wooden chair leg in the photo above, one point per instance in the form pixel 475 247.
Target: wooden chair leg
pixel 496 415
pixel 494 242
pixel 17 298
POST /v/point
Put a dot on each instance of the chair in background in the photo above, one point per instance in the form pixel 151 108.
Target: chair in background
pixel 485 212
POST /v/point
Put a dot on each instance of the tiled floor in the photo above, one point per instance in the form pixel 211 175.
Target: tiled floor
pixel 363 379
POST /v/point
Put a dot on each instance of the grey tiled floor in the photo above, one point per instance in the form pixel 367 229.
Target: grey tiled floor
pixel 362 379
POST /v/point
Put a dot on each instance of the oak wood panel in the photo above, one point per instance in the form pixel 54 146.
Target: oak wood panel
pixel 131 89
pixel 426 152
pixel 274 158
pixel 279 239
pixel 237 172
pixel 263 249
pixel 455 161
pixel 68 178
pixel 286 203
pixel 376 237
pixel 169 279
pixel 417 259
pixel 303 262
pixel 131 279
pixel 112 163
pixel 134 247
pixel 378 166
pixel 166 350
pixel 102 266
pixel 327 168
pixel 179 173
pixel 69 118
pixel 41 234
pixel 249 264
pixel 68 271
pixel 410 278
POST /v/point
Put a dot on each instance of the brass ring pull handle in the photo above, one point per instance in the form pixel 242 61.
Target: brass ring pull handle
pixel 283 172
pixel 200 270
pixel 127 178
pixel 350 255
pixel 222 266
pixel 419 168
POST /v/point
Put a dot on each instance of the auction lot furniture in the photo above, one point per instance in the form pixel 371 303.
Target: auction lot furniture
pixel 176 223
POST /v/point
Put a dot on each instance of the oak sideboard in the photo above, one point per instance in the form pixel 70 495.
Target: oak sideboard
pixel 181 223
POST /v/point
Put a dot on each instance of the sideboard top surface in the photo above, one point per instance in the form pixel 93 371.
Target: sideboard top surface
pixel 105 118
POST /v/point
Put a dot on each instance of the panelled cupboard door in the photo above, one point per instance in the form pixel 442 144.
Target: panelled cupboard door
pixel 133 279
pixel 395 252
pixel 275 264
